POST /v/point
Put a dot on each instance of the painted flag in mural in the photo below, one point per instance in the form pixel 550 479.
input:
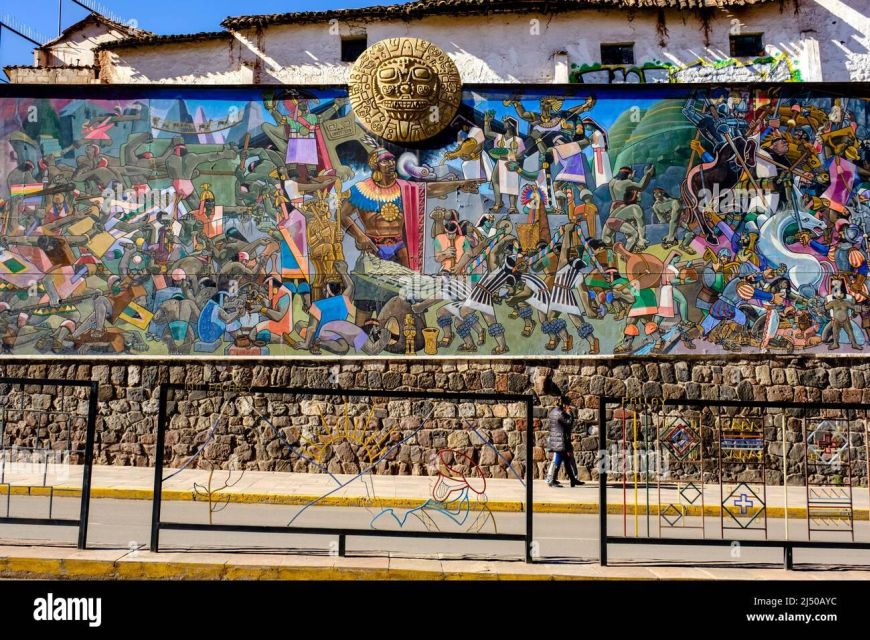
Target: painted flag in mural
pixel 213 226
pixel 294 246
pixel 573 162
pixel 40 261
pixel 17 270
pixel 136 315
pixel 24 190
pixel 842 174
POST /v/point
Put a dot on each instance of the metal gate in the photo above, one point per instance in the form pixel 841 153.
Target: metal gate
pixel 701 472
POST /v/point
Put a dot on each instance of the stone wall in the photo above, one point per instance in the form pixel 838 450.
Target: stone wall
pixel 128 404
pixel 52 75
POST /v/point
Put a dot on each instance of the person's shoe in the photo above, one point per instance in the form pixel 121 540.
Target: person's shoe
pixel 594 347
pixel 576 483
pixel 554 483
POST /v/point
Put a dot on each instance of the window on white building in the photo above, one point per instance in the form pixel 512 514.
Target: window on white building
pixel 352 47
pixel 747 45
pixel 617 53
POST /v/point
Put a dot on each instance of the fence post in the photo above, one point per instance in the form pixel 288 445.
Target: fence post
pixel 91 429
pixel 158 469
pixel 602 481
pixel 530 474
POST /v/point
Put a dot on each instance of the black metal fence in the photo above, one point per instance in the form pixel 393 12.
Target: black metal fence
pixel 169 403
pixel 36 427
pixel 682 465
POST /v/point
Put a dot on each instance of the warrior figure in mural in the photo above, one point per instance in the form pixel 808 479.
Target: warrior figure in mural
pixel 508 149
pixel 669 210
pixel 626 214
pixel 551 121
pixel 390 212
pixel 180 167
pixel 499 282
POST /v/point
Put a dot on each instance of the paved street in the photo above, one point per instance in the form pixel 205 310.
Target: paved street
pixel 565 528
pixel 563 538
pixel 406 491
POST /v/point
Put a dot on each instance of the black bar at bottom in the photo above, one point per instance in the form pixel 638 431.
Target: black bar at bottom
pixel 787 558
pixel 342 545
pixel 374 533
pixel 793 544
pixel 50 522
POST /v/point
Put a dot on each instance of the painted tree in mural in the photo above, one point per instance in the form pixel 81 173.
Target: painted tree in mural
pixel 617 220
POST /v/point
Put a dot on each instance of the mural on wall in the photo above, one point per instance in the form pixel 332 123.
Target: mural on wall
pixel 571 221
pixel 775 67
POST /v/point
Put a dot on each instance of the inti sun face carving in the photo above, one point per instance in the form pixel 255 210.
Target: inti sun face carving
pixel 405 89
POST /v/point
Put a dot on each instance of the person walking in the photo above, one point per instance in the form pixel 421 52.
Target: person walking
pixel 560 423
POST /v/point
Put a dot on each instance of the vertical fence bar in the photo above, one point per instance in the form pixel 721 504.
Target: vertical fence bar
pixel 602 481
pixel 718 432
pixel 806 473
pixel 785 474
pixel 764 477
pixel 158 469
pixel 90 436
pixel 634 461
pixel 703 487
pixel 663 424
pixel 648 414
pixel 866 454
pixel 849 467
pixel 530 474
pixel 624 474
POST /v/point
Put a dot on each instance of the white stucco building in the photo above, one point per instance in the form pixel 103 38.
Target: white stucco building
pixel 72 56
pixel 491 41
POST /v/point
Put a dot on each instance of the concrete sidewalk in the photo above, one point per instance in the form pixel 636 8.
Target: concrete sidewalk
pixel 64 563
pixel 263 487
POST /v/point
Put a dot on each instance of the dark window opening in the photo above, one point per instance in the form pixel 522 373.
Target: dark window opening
pixel 747 45
pixel 620 53
pixel 352 48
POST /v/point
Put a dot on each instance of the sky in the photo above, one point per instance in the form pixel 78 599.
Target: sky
pixel 158 16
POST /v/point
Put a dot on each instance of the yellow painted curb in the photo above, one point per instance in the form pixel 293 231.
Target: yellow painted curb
pixel 81 569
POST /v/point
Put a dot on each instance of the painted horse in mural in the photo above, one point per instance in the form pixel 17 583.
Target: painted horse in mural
pixel 805 272
pixel 723 171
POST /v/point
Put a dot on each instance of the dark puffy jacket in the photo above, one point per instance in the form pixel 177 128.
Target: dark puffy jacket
pixel 560 423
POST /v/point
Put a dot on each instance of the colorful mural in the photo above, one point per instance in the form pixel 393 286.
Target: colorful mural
pixel 564 220
pixel 774 67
